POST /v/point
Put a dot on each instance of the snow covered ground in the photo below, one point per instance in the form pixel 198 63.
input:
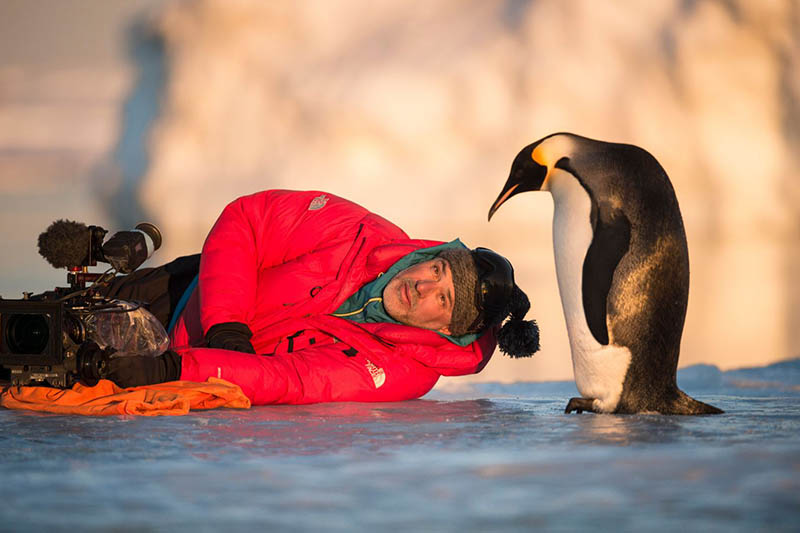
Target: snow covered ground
pixel 489 457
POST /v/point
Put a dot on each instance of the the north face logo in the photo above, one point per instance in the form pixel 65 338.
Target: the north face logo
pixel 318 202
pixel 377 373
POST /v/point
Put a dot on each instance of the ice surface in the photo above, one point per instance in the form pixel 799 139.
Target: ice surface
pixel 489 458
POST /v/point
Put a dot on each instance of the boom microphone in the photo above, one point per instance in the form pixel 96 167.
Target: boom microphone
pixel 70 244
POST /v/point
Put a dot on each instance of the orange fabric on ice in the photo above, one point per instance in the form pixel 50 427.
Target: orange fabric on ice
pixel 106 398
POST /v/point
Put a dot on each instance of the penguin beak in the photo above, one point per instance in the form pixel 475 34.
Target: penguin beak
pixel 526 175
pixel 505 194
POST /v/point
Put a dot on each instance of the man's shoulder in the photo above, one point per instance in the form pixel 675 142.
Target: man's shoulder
pixel 320 207
pixel 305 200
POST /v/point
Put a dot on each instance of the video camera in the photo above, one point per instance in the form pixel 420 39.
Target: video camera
pixel 41 336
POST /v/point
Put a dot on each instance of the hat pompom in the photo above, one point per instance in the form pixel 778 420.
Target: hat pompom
pixel 519 338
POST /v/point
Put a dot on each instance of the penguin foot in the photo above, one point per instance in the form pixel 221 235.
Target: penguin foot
pixel 579 405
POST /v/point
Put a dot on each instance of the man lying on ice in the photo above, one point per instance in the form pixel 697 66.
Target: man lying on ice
pixel 306 297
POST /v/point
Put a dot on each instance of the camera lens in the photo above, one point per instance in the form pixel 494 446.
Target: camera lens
pixel 27 334
pixel 75 328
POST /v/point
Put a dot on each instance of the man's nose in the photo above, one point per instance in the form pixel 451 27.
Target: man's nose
pixel 425 287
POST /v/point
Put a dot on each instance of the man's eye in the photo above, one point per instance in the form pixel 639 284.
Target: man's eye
pixel 436 269
pixel 442 300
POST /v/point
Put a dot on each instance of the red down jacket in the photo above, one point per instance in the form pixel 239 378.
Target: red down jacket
pixel 281 262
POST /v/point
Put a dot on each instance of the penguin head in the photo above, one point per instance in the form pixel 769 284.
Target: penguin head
pixel 533 165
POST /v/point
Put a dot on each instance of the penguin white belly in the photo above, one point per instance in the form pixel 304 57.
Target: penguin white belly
pixel 599 369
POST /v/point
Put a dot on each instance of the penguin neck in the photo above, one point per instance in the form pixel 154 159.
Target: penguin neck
pixel 572 236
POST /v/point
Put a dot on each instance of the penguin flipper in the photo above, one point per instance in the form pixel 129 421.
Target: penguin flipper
pixel 580 405
pixel 610 242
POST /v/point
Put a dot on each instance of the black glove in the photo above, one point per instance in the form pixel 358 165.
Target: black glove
pixel 132 371
pixel 230 336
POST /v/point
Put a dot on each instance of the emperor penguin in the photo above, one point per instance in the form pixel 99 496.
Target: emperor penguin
pixel 622 265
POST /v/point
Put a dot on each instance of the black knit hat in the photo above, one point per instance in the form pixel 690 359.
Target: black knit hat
pixel 485 294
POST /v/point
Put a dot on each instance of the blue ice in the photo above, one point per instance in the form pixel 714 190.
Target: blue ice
pixel 491 458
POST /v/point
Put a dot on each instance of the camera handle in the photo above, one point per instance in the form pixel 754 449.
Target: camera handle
pixel 78 277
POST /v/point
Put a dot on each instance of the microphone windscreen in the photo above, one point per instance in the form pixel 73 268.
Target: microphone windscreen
pixel 65 243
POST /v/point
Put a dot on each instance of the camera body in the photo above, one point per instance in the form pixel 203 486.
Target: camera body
pixel 41 335
pixel 40 341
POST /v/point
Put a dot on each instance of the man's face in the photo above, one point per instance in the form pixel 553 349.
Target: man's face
pixel 422 295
